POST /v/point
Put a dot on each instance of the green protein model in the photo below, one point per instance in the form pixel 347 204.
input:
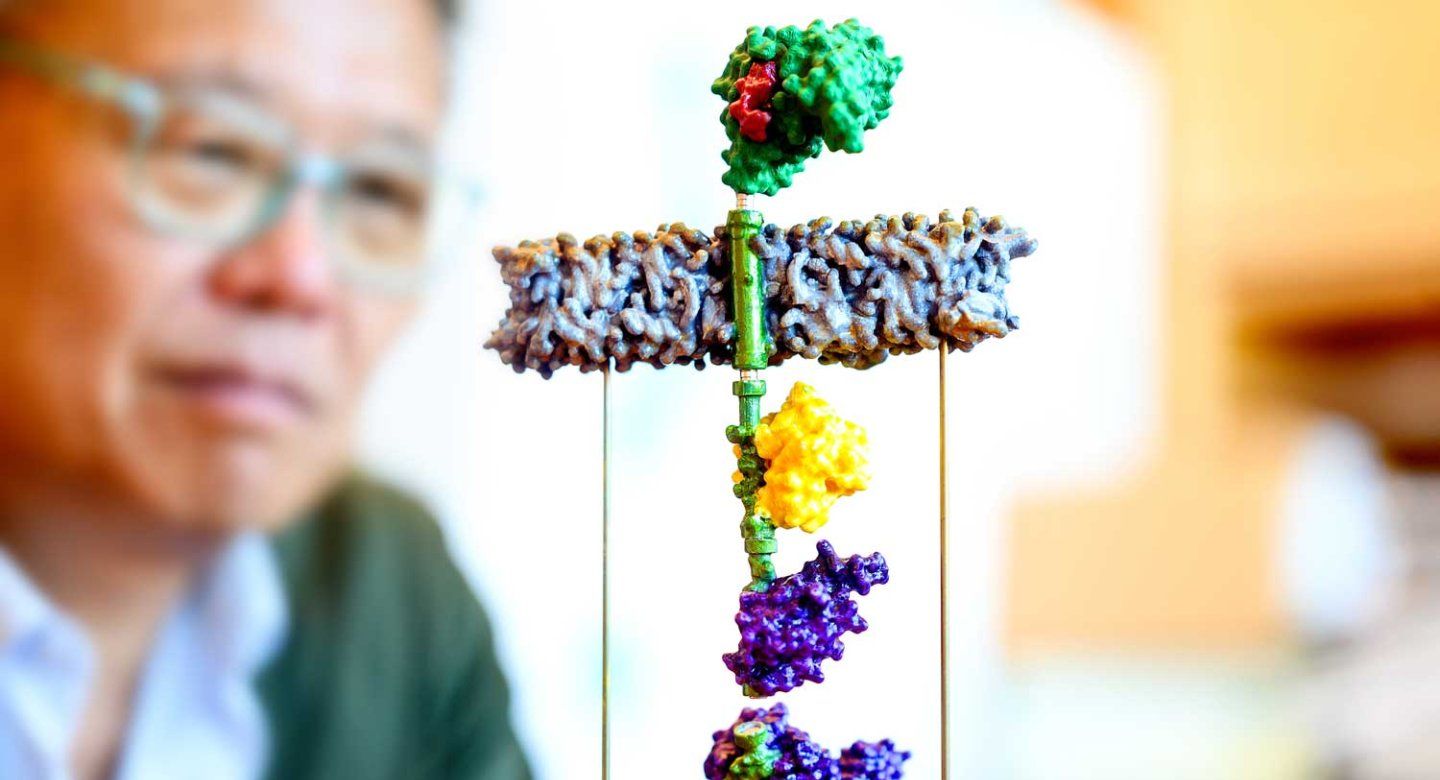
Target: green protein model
pixel 793 92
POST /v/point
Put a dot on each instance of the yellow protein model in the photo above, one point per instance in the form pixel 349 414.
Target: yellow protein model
pixel 814 457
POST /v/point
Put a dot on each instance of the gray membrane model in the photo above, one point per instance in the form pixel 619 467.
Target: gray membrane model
pixel 849 293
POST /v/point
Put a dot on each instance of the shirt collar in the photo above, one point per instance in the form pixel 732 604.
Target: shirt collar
pixel 24 609
pixel 239 601
pixel 241 605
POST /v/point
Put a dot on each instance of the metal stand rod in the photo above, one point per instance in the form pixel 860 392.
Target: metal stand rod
pixel 944 584
pixel 605 576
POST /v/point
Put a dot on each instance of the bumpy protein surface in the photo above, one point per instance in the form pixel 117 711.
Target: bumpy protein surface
pixel 813 457
pixel 851 292
pixel 873 761
pixel 789 630
pixel 834 84
pixel 792 755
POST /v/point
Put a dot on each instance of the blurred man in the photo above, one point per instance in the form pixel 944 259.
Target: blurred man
pixel 212 216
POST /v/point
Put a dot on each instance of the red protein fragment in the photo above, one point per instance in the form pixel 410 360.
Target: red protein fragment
pixel 750 108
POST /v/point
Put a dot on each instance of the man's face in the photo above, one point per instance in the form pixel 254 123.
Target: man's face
pixel 156 377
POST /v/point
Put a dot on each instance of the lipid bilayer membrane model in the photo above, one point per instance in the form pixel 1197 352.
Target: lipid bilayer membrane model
pixel 753 295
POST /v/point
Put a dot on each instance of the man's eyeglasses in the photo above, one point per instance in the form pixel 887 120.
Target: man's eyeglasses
pixel 210 166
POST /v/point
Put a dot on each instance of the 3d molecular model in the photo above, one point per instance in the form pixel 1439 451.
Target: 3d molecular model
pixel 762 744
pixel 752 295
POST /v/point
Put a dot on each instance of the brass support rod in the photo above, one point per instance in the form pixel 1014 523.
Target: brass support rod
pixel 944 584
pixel 605 576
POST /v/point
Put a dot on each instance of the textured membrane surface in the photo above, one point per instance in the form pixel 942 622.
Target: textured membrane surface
pixel 851 292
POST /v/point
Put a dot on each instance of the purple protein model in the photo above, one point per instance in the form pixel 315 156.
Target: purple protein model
pixel 792 755
pixel 787 631
pixel 873 761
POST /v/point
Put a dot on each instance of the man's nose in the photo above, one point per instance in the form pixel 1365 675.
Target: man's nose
pixel 283 269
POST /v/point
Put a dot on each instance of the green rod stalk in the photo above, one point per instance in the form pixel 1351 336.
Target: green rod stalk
pixel 747 274
pixel 752 353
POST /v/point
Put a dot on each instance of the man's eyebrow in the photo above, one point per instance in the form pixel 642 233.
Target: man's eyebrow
pixel 404 139
pixel 406 136
pixel 222 79
pixel 400 135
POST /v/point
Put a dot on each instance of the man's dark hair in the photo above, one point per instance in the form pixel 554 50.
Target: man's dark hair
pixel 449 12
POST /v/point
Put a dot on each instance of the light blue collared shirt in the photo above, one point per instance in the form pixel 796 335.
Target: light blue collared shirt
pixel 196 713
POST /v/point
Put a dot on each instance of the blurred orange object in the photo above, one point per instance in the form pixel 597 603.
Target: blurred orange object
pixel 1303 180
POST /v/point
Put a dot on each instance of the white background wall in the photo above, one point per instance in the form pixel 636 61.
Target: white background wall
pixel 595 117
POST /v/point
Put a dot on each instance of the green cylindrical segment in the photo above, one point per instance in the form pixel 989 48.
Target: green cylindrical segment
pixel 756 530
pixel 749 391
pixel 752 353
pixel 747 274
pixel 755 742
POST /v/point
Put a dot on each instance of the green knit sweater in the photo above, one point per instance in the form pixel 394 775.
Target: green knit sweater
pixel 388 670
